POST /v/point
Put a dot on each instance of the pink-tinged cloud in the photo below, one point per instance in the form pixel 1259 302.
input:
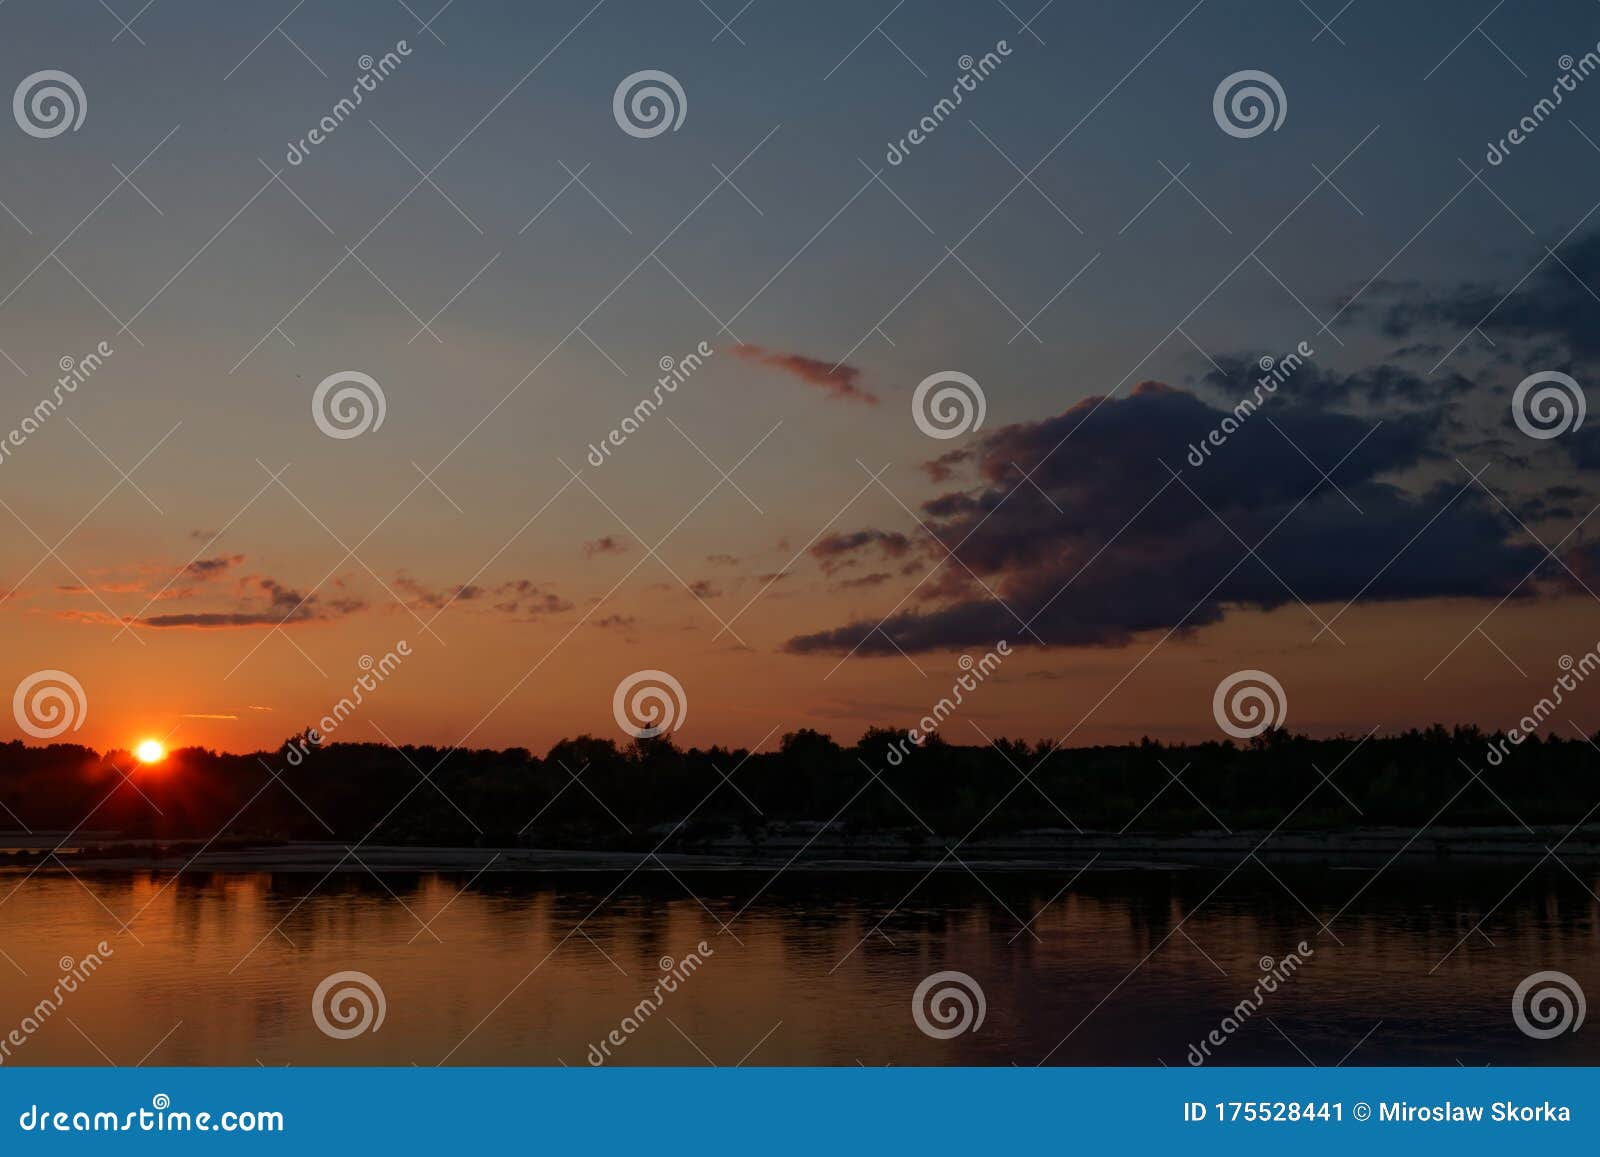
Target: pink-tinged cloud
pixel 839 381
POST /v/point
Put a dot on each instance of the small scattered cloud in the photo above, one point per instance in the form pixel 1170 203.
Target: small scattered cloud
pixel 840 381
pixel 610 544
pixel 206 569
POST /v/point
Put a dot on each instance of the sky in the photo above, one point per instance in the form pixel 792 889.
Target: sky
pixel 1081 239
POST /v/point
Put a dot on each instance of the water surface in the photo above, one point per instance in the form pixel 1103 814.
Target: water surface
pixel 1113 967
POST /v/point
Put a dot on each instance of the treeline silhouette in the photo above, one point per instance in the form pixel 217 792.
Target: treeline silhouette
pixel 592 793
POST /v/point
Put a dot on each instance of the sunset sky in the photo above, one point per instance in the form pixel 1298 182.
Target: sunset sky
pixel 1085 242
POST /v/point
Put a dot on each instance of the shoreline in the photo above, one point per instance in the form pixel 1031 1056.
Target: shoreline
pixel 812 848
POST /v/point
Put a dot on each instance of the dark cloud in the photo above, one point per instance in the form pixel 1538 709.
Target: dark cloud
pixel 206 569
pixel 283 606
pixel 610 544
pixel 840 381
pixel 1095 559
pixel 838 550
pixel 1386 387
pixel 526 600
pixel 876 578
pixel 1553 306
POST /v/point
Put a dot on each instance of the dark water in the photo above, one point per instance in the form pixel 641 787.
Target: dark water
pixel 817 969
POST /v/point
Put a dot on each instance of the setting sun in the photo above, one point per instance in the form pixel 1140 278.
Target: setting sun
pixel 150 751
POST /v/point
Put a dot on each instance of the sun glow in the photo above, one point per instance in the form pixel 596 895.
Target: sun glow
pixel 150 751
